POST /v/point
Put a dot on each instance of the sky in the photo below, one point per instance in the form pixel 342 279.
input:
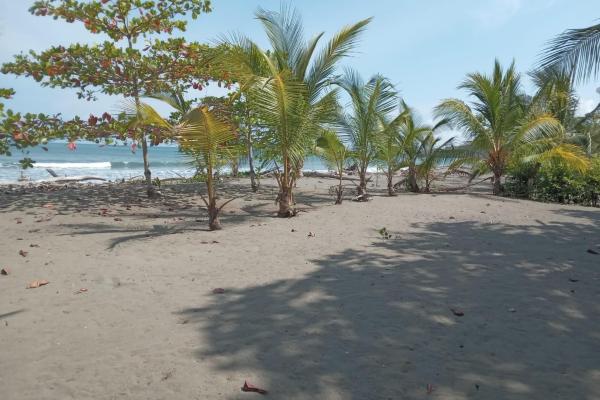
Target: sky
pixel 425 47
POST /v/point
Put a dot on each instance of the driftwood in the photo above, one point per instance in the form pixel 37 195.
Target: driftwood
pixel 51 172
pixel 331 175
pixel 76 179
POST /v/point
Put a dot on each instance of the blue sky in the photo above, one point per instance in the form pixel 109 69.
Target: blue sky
pixel 425 47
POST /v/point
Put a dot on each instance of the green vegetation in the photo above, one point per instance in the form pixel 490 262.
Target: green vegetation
pixel 283 104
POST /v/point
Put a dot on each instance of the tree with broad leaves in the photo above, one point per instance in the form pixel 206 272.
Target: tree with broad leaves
pixel 122 65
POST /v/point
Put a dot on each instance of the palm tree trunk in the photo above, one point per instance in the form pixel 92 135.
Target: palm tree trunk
pixel 286 197
pixel 413 186
pixel 213 211
pixel 340 190
pixel 362 185
pixel 497 188
pixel 285 202
pixel 390 183
pixel 253 180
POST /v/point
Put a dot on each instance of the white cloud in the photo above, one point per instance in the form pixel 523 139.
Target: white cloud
pixel 494 13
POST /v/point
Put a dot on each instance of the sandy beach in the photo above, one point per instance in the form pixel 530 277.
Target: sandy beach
pixel 320 306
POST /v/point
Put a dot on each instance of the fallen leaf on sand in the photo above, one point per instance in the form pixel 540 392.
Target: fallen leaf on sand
pixel 4 271
pixel 23 253
pixel 218 290
pixel 36 284
pixel 251 388
pixel 591 251
pixel 457 312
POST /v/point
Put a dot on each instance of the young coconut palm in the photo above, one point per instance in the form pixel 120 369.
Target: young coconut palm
pixel 289 88
pixel 389 149
pixel 499 126
pixel 210 139
pixel 434 152
pixel 412 139
pixel 370 103
pixel 334 152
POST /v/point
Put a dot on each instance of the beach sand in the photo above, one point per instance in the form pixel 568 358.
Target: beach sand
pixel 342 313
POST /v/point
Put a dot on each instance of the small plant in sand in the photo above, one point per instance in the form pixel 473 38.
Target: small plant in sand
pixel 333 151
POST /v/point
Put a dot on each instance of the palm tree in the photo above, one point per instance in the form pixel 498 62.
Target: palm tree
pixel 389 149
pixel 202 133
pixel 576 52
pixel 334 152
pixel 499 126
pixel 289 87
pixel 434 152
pixel 210 139
pixel 370 104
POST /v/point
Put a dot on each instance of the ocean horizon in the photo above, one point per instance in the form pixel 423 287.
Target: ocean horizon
pixel 113 162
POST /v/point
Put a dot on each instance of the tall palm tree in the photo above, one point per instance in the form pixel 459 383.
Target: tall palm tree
pixel 370 103
pixel 334 152
pixel 289 87
pixel 576 52
pixel 499 126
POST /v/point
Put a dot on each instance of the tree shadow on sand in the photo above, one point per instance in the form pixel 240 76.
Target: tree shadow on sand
pixel 377 324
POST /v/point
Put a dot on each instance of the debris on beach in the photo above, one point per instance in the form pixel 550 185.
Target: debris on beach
pixel 23 253
pixel 118 219
pixel 34 245
pixel 37 284
pixel 310 234
pixel 218 290
pixel 251 388
pixel 4 271
pixel 592 251
pixel 82 290
pixel 19 220
pixel 457 312
pixel 430 388
pixel 383 232
pixel 573 280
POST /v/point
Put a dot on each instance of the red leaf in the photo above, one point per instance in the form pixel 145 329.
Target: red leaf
pixel 251 388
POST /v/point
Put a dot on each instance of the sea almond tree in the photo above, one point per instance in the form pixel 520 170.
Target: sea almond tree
pixel 121 65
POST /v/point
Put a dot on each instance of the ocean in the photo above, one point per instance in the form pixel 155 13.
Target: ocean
pixel 112 162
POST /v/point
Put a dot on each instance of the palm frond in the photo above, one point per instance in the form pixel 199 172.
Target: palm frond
pixel 575 51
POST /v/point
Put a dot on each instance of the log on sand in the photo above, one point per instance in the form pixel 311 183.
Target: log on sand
pixel 331 175
pixel 76 179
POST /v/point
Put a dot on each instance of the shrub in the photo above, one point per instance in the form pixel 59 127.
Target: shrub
pixel 554 182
